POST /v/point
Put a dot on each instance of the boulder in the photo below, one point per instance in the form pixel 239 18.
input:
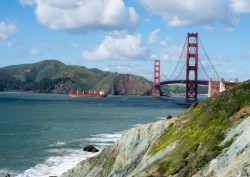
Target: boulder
pixel 90 148
pixel 169 117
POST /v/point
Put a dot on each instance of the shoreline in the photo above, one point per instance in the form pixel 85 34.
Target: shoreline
pixel 57 165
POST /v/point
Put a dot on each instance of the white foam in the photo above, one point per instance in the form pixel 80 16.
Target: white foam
pixel 160 118
pixel 137 125
pixel 105 139
pixel 3 172
pixel 58 144
pixel 57 165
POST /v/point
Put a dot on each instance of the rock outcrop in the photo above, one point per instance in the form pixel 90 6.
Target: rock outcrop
pixel 90 148
pixel 127 84
pixel 211 139
pixel 130 155
pixel 234 160
pixel 127 156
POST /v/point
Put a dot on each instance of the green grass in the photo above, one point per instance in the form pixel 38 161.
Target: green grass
pixel 110 162
pixel 206 126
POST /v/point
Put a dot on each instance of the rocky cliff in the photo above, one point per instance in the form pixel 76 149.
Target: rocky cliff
pixel 127 84
pixel 210 139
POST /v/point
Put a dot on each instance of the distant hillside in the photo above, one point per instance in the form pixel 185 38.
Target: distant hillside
pixel 52 76
pixel 125 84
pixel 181 88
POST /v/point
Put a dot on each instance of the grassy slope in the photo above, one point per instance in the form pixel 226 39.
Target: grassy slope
pixel 53 69
pixel 199 137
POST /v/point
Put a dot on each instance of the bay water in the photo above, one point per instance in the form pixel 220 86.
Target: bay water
pixel 43 135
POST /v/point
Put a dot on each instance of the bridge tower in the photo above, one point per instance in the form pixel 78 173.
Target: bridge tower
pixel 192 67
pixel 157 75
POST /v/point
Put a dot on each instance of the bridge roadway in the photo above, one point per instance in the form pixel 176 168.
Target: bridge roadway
pixel 200 82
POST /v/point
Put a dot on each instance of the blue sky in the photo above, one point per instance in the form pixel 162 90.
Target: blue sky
pixel 126 36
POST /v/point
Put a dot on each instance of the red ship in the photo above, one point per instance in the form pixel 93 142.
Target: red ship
pixel 90 94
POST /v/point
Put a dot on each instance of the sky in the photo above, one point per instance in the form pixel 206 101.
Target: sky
pixel 126 36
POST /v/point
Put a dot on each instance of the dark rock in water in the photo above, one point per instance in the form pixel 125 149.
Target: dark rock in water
pixel 90 148
pixel 169 117
pixel 7 175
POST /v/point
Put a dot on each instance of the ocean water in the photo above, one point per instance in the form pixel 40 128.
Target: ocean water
pixel 43 134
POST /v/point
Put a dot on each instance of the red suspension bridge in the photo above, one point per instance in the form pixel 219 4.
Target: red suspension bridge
pixel 191 80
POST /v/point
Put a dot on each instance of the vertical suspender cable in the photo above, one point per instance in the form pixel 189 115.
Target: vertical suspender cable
pixel 179 59
pixel 209 59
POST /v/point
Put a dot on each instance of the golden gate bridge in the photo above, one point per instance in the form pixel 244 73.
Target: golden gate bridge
pixel 191 65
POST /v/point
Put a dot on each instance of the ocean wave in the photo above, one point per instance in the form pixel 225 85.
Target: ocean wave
pixel 68 158
pixel 57 165
pixel 160 118
pixel 104 139
pixel 58 144
pixel 3 172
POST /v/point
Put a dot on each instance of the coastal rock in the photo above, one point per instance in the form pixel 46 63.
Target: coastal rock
pixel 130 156
pixel 234 161
pixel 169 117
pixel 127 84
pixel 127 156
pixel 90 148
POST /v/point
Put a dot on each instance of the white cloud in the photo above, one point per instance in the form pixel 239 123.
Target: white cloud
pixel 190 12
pixel 154 36
pixel 119 46
pixel 170 53
pixel 6 30
pixel 35 51
pixel 135 69
pixel 84 15
pixel 240 6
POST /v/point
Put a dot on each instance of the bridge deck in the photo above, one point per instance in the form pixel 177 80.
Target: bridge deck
pixel 201 82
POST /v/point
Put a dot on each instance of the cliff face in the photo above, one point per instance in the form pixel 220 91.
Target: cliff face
pixel 210 139
pixel 127 84
pixel 127 156
pixel 234 160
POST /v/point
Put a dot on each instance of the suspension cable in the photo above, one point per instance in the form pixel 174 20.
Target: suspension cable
pixel 203 68
pixel 181 71
pixel 179 59
pixel 209 59
pixel 184 62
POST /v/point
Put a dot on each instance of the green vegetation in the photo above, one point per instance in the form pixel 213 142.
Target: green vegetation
pixel 49 75
pixel 166 166
pixel 110 162
pixel 205 127
pixel 54 76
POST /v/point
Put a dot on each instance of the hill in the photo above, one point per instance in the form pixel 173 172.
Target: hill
pixel 52 76
pixel 210 139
